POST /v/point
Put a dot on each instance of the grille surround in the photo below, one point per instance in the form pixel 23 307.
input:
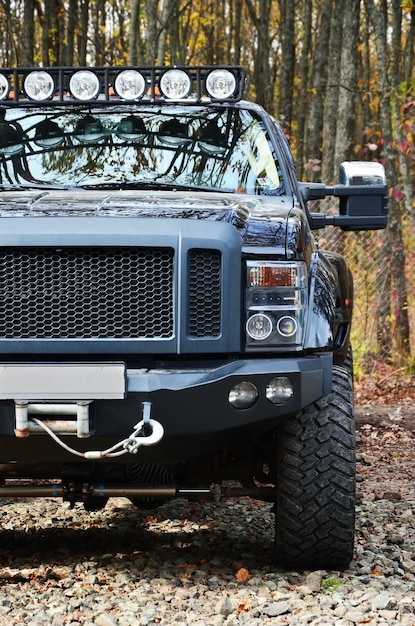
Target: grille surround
pixel 104 233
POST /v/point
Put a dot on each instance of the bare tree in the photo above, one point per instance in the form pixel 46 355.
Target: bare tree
pixel 318 87
pixel 328 165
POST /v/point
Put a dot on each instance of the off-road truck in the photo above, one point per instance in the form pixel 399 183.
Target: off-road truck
pixel 168 324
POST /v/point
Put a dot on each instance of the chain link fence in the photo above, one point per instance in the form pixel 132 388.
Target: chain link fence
pixel 368 255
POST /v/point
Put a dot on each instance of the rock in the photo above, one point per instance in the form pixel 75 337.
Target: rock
pixel 274 609
pixel 105 620
pixel 312 583
pixel 224 606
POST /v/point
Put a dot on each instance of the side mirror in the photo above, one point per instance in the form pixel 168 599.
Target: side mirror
pixel 362 197
pixel 362 193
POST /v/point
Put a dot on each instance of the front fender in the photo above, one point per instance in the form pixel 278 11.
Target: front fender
pixel 322 303
pixel 344 306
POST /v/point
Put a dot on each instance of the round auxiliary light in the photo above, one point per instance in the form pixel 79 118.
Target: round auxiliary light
pixel 243 395
pixel 259 326
pixel 84 85
pixel 39 85
pixel 130 85
pixel 4 87
pixel 48 134
pixel 287 326
pixel 175 84
pixel 131 128
pixel 90 130
pixel 279 390
pixel 220 84
pixel 11 141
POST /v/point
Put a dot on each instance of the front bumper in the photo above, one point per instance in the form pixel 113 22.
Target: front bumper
pixel 190 401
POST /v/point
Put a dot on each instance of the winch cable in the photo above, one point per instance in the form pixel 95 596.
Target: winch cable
pixel 130 445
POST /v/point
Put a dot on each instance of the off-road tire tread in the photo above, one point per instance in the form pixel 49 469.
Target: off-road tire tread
pixel 315 494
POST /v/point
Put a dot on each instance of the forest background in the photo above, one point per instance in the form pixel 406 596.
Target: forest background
pixel 338 75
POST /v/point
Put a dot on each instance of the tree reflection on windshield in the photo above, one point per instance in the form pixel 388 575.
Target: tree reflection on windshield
pixel 192 147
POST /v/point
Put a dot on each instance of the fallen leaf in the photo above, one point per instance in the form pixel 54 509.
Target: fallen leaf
pixel 242 575
pixel 244 606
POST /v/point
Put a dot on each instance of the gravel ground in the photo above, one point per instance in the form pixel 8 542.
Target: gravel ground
pixel 192 564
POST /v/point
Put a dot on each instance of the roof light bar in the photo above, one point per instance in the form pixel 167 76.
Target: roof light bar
pixel 68 85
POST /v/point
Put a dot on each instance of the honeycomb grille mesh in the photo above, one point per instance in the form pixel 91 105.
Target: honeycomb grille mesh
pixel 82 293
pixel 205 293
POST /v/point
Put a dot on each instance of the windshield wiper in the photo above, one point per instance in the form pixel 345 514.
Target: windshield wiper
pixel 153 185
pixel 32 187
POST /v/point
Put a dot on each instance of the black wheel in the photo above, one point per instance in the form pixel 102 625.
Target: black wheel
pixel 315 500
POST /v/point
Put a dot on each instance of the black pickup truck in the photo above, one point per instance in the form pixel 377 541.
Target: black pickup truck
pixel 168 324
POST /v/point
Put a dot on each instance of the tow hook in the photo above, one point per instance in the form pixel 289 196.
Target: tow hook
pixel 147 432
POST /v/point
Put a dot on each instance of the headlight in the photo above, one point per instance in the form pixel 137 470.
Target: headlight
pixel 276 301
pixel 259 326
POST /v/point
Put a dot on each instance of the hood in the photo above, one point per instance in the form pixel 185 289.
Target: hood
pixel 260 220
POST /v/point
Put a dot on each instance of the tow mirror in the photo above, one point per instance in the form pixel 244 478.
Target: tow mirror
pixel 362 197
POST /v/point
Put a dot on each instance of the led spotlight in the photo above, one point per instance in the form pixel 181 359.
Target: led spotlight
pixel 220 84
pixel 130 85
pixel 175 84
pixel 84 85
pixel 4 87
pixel 39 85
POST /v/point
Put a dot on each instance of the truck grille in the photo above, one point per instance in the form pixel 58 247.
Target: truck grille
pixel 81 293
pixel 106 293
pixel 204 293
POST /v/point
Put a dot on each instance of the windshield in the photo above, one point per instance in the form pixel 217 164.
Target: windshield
pixel 225 149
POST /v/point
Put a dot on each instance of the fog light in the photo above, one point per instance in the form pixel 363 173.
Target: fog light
pixel 259 326
pixel 243 396
pixel 279 390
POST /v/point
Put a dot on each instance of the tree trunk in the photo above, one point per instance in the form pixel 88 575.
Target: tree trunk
pixel 348 82
pixel 28 43
pixel 328 165
pixel 72 22
pixel 133 33
pixel 318 87
pixel 302 102
pixel 83 30
pixel 287 65
pixel 151 42
pixel 261 52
